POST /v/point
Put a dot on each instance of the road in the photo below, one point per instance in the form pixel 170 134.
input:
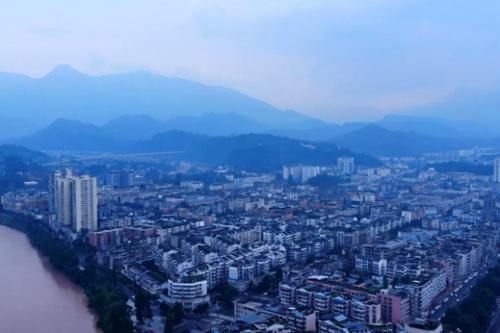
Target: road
pixel 453 298
pixel 495 324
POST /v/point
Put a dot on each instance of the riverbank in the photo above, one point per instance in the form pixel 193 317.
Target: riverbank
pixel 104 296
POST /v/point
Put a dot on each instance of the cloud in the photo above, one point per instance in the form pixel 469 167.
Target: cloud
pixel 48 31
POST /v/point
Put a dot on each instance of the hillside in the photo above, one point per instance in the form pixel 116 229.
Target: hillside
pixel 378 141
pixel 121 133
pixel 19 164
pixel 325 132
pixel 141 127
pixel 22 152
pixel 251 152
pixel 257 152
pixel 71 135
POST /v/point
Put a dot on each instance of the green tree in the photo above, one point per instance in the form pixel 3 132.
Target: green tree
pixel 142 306
pixel 228 294
pixel 279 274
pixel 169 324
pixel 201 309
pixel 177 312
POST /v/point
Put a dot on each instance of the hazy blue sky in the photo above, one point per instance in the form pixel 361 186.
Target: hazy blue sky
pixel 336 59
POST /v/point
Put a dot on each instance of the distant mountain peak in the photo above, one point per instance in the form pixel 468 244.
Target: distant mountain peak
pixel 64 71
pixel 64 122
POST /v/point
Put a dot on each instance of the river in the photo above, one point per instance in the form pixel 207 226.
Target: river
pixel 35 298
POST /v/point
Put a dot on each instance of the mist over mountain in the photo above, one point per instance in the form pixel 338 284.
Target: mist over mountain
pixel 148 104
pixel 72 135
pixel 469 105
pixel 67 93
pixel 136 127
pixel 325 132
pixel 463 133
pixel 252 152
pixel 439 126
pixel 112 112
pixel 379 141
pixel 119 134
pixel 137 133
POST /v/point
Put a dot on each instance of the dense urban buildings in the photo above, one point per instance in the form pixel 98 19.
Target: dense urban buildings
pixel 381 249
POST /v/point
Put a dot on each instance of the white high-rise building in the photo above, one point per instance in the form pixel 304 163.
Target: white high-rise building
pixel 496 170
pixel 52 191
pixel 63 198
pixel 75 199
pixel 309 172
pixel 345 165
pixel 294 172
pixel 300 173
pixel 85 203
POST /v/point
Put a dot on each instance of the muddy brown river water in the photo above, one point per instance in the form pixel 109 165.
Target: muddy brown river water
pixel 35 298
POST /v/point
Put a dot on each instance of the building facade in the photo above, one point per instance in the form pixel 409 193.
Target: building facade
pixel 75 200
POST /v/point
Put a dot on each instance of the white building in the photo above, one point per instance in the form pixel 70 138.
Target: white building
pixel 377 267
pixel 75 200
pixel 300 173
pixel 190 295
pixel 427 291
pixel 496 170
pixel 345 165
pixel 366 311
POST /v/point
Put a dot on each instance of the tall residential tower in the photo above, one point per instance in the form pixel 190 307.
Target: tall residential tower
pixel 345 165
pixel 496 170
pixel 75 200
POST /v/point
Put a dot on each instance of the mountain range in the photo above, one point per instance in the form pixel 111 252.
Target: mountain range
pixel 131 133
pixel 122 134
pixel 69 110
pixel 136 127
pixel 28 104
pixel 440 127
pixel 251 152
pixel 379 141
pixel 467 108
